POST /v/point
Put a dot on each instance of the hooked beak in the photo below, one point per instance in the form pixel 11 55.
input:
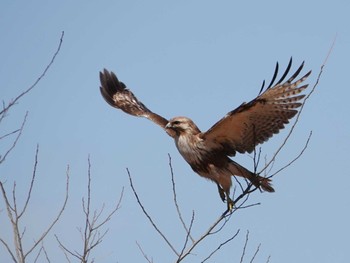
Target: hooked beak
pixel 168 126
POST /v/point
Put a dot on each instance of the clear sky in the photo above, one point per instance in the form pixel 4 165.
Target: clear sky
pixel 195 58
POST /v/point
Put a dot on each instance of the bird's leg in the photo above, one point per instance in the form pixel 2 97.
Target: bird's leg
pixel 225 195
pixel 221 192
pixel 230 203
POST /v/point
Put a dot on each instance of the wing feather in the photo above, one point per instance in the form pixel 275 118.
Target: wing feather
pixel 119 96
pixel 255 122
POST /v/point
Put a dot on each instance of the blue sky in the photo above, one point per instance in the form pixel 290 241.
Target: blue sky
pixel 195 58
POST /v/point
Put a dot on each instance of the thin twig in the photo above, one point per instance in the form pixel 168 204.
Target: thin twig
pixel 187 237
pixel 221 245
pixel 91 236
pixel 204 235
pixel 143 253
pixel 296 158
pixel 148 216
pixel 31 183
pixel 256 253
pixel 14 101
pixel 175 200
pixel 14 143
pixel 245 246
pixel 41 238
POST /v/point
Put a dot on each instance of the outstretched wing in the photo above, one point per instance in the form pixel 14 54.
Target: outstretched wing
pixel 119 96
pixel 255 122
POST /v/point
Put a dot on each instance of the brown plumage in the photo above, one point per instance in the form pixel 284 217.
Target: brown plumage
pixel 241 130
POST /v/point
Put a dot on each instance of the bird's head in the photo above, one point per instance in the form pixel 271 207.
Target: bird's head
pixel 182 125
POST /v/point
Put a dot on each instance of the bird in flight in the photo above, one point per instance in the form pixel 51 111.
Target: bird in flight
pixel 241 130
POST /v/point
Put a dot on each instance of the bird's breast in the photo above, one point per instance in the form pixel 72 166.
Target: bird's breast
pixel 190 148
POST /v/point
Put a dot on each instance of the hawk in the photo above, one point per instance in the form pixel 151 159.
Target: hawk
pixel 241 130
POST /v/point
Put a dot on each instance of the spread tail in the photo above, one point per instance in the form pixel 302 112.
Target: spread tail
pixel 257 180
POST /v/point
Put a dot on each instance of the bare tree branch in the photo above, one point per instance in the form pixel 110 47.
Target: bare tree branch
pixel 15 215
pixel 187 237
pixel 41 238
pixel 14 101
pixel 175 200
pixel 221 245
pixel 256 253
pixel 31 184
pixel 19 133
pixel 149 217
pixel 245 246
pixel 91 236
pixel 6 108
pixel 8 249
pixel 143 253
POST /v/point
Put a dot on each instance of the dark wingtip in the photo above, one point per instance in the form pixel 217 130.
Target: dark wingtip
pixel 262 88
pixel 296 72
pixel 274 76
pixel 286 71
pixel 110 85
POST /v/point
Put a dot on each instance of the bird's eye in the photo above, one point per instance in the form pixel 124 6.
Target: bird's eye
pixel 176 122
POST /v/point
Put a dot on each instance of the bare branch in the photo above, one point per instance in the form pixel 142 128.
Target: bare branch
pixel 149 217
pixel 204 235
pixel 8 249
pixel 221 245
pixel 245 246
pixel 91 235
pixel 143 253
pixel 46 255
pixel 175 200
pixel 256 253
pixel 31 184
pixel 66 250
pixel 44 234
pixel 187 237
pixel 296 158
pixel 15 216
pixel 14 101
pixel 14 143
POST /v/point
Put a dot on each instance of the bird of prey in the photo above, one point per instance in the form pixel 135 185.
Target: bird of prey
pixel 240 130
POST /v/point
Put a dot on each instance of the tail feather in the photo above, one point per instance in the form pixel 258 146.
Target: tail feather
pixel 265 184
pixel 257 180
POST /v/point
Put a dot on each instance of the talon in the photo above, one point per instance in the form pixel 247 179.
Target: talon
pixel 221 193
pixel 230 204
